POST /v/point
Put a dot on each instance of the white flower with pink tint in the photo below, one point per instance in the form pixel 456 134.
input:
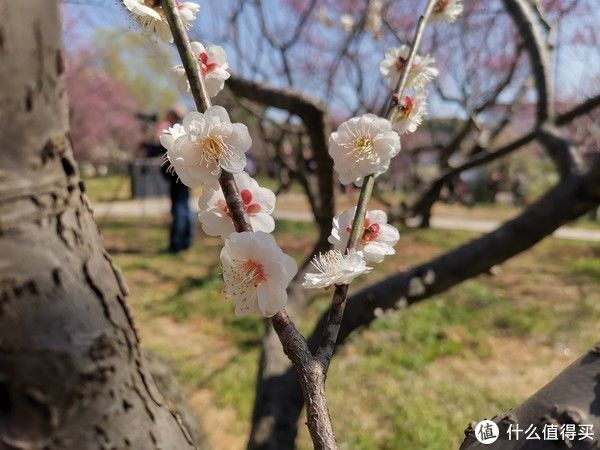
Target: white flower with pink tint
pixel 421 71
pixel 363 146
pixel 151 17
pixel 377 239
pixel 188 11
pixel 212 62
pixel 408 113
pixel 256 273
pixel 347 22
pixel 259 204
pixel 446 10
pixel 335 268
pixel 206 144
pixel 374 22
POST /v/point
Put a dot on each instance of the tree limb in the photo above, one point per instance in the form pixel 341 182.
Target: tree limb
pixel 572 197
pixel 570 398
pixel 313 115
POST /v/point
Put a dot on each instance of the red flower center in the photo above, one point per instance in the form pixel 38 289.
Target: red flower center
pixel 406 106
pixel 440 6
pixel 370 233
pixel 205 66
pixel 251 208
pixel 400 62
pixel 256 271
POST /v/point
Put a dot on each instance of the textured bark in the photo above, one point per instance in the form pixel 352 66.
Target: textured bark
pixel 573 397
pixel 163 373
pixel 71 372
pixel 312 380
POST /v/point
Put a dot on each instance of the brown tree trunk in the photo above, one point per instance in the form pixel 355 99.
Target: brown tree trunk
pixel 71 372
pixel 570 400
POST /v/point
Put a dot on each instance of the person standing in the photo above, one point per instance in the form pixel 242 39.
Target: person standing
pixel 180 233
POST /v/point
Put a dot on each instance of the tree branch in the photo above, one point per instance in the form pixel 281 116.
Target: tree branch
pixel 583 108
pixel 294 345
pixel 572 197
pixel 524 16
pixel 570 398
pixel 329 332
pixel 313 115
pixel 565 157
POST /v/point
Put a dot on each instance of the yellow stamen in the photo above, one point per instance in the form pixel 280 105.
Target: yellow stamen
pixel 362 147
pixel 212 148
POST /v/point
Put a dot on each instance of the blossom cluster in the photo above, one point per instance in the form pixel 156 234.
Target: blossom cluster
pixel 151 17
pixel 255 269
pixel 364 146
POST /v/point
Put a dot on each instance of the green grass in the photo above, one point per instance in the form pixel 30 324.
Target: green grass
pixel 108 188
pixel 415 378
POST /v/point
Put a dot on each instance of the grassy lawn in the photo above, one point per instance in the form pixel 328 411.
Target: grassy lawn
pixel 108 188
pixel 414 379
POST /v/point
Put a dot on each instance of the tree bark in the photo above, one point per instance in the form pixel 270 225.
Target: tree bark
pixel 71 372
pixel 571 398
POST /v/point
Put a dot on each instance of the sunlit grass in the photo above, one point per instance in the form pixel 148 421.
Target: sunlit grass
pixel 415 378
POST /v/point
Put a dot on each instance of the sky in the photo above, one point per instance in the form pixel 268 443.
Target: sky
pixel 82 18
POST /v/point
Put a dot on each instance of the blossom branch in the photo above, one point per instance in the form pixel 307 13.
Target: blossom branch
pixel 338 302
pixel 294 344
pixel 202 100
pixel 335 316
pixel 189 61
pixel 414 47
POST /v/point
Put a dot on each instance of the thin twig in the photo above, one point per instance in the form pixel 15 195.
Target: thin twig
pixel 338 302
pixel 294 345
pixel 414 47
pixel 328 340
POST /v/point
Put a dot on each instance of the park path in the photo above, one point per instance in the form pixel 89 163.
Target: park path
pixel 153 207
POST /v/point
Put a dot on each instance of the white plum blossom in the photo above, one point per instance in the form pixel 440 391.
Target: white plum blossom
pixel 259 203
pixel 420 72
pixel 256 273
pixel 363 146
pixel 212 62
pixel 377 240
pixel 347 22
pixel 335 268
pixel 373 22
pixel 188 11
pixel 446 10
pixel 151 17
pixel 408 113
pixel 205 144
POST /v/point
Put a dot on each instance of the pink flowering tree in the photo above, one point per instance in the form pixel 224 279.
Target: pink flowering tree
pixel 102 111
